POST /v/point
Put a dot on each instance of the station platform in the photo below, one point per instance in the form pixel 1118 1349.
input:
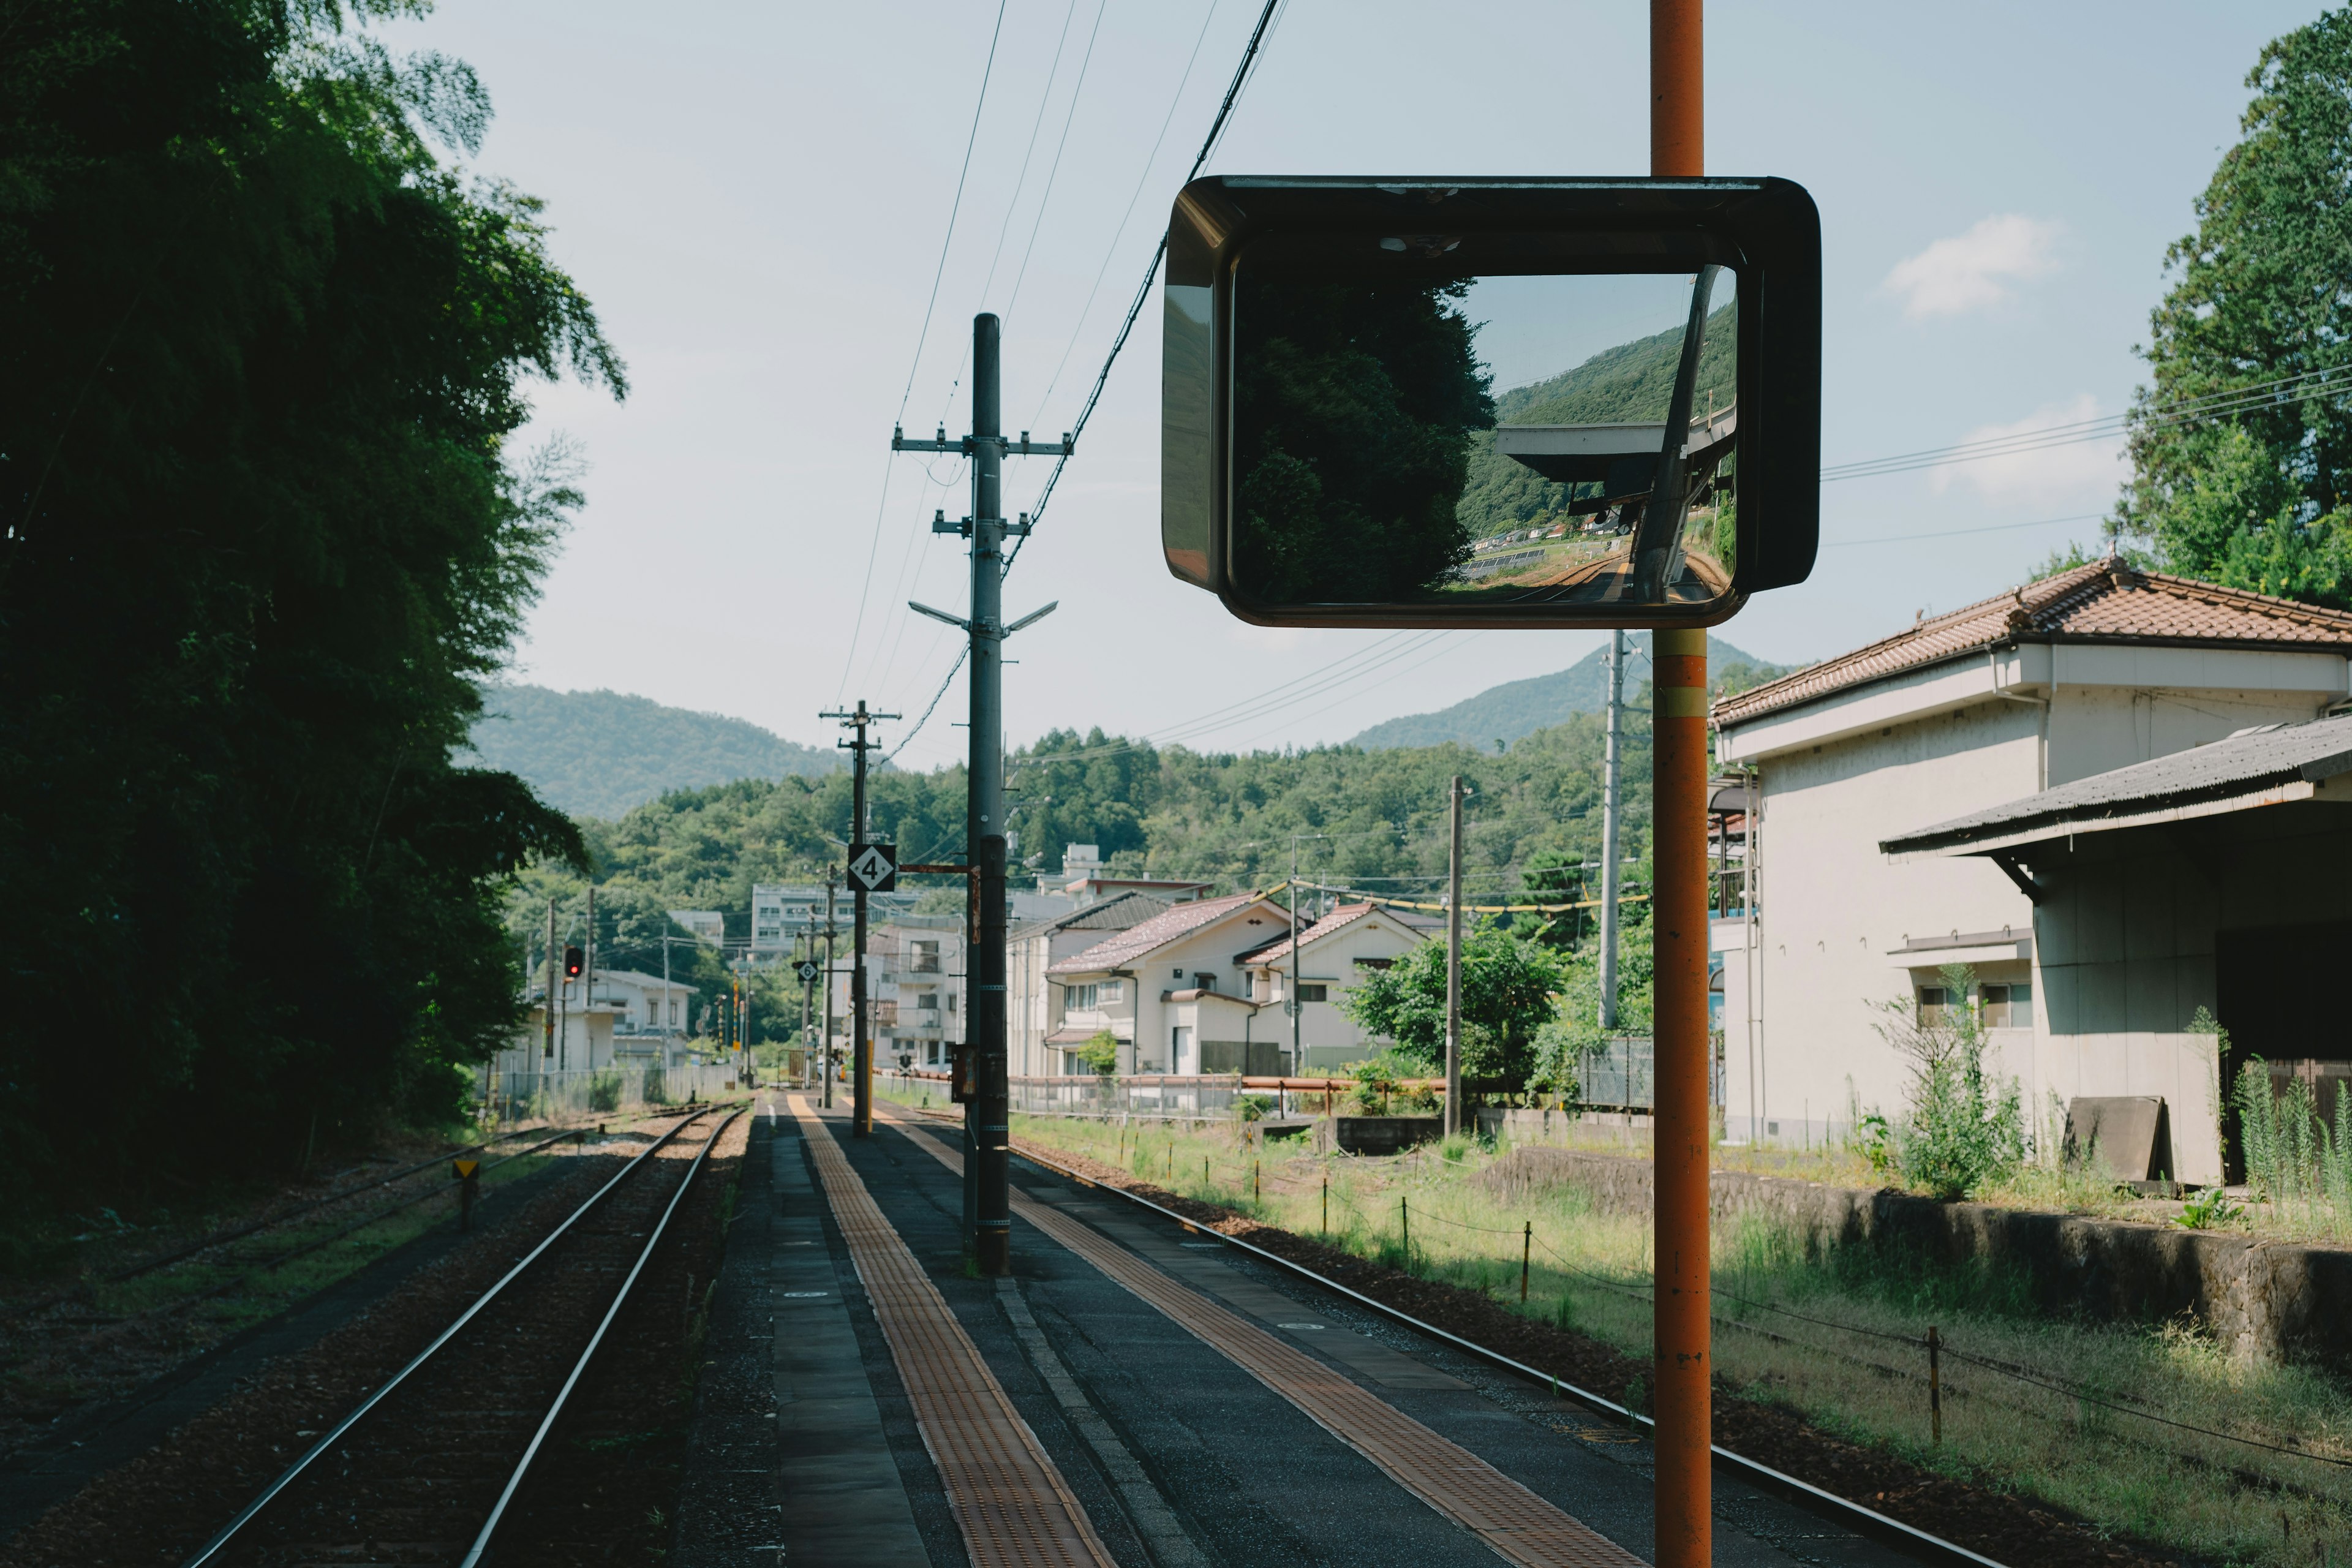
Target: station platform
pixel 1133 1393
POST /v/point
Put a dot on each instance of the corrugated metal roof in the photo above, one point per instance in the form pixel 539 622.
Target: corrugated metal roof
pixel 2103 601
pixel 2244 764
pixel 1117 952
pixel 1116 913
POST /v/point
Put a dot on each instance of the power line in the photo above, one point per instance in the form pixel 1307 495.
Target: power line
pixel 971 139
pixel 1957 532
pixel 1143 290
pixel 1111 255
pixel 1216 129
pixel 1051 174
pixel 2208 405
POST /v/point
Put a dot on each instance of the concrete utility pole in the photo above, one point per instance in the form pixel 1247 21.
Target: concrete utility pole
pixel 1678 753
pixel 861 1038
pixel 988 1114
pixel 588 966
pixel 1454 961
pixel 554 965
pixel 832 880
pixel 1609 817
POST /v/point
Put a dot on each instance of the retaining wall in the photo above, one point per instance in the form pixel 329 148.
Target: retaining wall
pixel 2263 1299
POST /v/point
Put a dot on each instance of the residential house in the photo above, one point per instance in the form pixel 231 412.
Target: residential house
pixel 1039 1040
pixel 1334 954
pixel 914 977
pixel 2093 670
pixel 1171 989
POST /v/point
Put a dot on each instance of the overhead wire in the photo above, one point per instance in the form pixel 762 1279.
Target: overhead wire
pixel 2208 405
pixel 1216 130
pixel 1046 199
pixel 946 242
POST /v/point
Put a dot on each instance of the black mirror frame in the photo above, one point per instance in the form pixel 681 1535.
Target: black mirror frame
pixel 1766 230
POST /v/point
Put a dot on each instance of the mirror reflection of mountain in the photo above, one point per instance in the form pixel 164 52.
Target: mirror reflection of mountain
pixel 1627 384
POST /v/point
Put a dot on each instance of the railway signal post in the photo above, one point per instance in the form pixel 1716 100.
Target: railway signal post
pixel 868 874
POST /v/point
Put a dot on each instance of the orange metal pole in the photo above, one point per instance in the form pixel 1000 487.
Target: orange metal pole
pixel 1681 1121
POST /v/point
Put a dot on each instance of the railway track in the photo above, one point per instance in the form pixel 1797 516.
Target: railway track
pixel 435 1463
pixel 1864 1522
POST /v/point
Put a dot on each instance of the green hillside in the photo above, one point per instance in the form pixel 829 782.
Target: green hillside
pixel 1517 708
pixel 598 754
pixel 1221 817
pixel 1622 385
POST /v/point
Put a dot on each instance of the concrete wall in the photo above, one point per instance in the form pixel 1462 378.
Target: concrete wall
pixel 2263 1299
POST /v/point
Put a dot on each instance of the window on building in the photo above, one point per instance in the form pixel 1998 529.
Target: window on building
pixel 924 958
pixel 2008 1006
pixel 1310 992
pixel 1081 998
pixel 929 1002
pixel 951 1000
pixel 1933 1000
pixel 1111 991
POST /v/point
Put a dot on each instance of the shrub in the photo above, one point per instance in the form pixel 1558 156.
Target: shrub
pixel 1101 1053
pixel 604 1090
pixel 1962 1132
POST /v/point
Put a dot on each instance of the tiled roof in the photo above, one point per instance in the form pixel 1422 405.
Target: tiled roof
pixel 1344 915
pixel 2247 762
pixel 2103 601
pixel 1117 952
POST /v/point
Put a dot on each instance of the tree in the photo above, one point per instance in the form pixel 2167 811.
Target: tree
pixel 2256 496
pixel 1507 996
pixel 1354 406
pixel 262 540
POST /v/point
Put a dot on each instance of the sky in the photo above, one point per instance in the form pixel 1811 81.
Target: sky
pixel 787 215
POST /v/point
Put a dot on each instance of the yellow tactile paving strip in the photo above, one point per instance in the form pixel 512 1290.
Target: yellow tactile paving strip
pixel 1519 1525
pixel 1009 1498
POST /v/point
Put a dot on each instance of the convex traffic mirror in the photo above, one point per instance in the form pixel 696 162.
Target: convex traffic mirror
pixel 1487 402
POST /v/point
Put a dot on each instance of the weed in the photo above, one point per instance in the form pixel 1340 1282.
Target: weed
pixel 2209 1210
pixel 1963 1132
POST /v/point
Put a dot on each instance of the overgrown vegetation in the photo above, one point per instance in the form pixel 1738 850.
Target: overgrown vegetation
pixel 1960 1132
pixel 262 537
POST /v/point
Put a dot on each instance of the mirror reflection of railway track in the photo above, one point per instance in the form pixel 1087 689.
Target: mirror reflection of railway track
pixel 437 1459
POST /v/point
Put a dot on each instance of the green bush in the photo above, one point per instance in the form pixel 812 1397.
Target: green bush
pixel 1962 1132
pixel 1101 1054
pixel 604 1090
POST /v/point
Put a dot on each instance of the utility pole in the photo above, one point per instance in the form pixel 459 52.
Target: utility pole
pixel 1454 962
pixel 861 1040
pixel 588 974
pixel 832 880
pixel 1680 1113
pixel 808 992
pixel 1610 760
pixel 987 1116
pixel 554 966
pixel 1297 924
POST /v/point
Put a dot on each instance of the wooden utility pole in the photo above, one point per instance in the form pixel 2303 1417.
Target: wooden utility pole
pixel 1682 1410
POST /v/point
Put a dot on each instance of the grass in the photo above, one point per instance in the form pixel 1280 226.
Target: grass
pixel 1831 1335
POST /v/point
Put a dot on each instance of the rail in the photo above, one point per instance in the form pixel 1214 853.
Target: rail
pixel 253 1509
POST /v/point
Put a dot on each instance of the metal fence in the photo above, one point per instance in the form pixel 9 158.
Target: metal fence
pixel 1619 1074
pixel 503 1097
pixel 1206 1097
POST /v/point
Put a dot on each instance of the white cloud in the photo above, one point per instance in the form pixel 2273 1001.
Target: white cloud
pixel 1970 271
pixel 2049 476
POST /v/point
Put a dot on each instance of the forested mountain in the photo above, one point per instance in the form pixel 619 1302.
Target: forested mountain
pixel 597 754
pixel 1374 819
pixel 1622 385
pixel 1514 708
